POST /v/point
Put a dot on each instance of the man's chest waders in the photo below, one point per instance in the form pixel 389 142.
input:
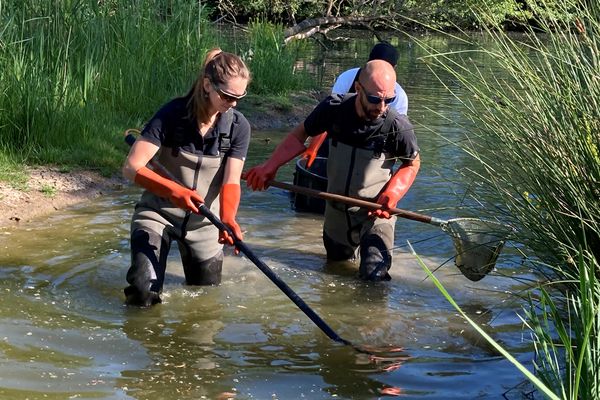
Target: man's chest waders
pixel 361 173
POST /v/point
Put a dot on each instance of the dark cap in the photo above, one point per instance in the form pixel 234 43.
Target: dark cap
pixel 384 51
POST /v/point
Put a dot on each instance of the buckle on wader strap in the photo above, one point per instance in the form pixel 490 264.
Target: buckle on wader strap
pixel 224 130
pixel 384 132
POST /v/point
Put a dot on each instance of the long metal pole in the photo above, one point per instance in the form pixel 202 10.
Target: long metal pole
pixel 130 139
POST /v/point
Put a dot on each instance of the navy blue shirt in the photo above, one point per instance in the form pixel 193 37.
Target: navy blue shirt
pixel 172 127
pixel 337 115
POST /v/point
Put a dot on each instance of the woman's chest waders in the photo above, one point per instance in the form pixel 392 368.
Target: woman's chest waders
pixel 361 173
pixel 203 174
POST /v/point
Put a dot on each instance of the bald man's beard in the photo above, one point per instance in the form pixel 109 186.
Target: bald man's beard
pixel 370 114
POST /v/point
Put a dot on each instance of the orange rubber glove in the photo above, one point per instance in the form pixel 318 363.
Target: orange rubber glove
pixel 313 148
pixel 258 177
pixel 180 196
pixel 229 201
pixel 396 188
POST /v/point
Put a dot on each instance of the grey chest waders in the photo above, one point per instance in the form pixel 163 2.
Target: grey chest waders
pixel 362 173
pixel 204 174
pixel 157 222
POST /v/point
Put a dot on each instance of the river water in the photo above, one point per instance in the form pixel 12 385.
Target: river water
pixel 65 333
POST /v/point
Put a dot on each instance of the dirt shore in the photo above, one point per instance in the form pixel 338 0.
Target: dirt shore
pixel 48 189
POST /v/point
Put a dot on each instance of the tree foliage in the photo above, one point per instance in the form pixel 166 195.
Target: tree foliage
pixel 440 14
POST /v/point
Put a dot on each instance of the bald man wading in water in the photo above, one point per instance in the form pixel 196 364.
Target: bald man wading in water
pixel 368 141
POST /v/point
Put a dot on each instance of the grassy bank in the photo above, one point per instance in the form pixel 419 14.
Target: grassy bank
pixel 74 75
pixel 538 169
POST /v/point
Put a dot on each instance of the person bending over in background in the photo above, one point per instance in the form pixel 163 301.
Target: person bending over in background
pixel 368 138
pixel 345 83
pixel 202 141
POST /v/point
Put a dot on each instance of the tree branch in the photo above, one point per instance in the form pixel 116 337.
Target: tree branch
pixel 309 27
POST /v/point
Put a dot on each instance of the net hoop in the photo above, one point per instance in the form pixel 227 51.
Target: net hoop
pixel 477 243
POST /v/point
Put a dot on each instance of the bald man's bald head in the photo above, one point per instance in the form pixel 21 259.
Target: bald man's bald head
pixel 378 76
pixel 376 87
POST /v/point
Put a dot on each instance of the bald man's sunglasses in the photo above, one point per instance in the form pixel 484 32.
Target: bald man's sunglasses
pixel 371 98
pixel 377 100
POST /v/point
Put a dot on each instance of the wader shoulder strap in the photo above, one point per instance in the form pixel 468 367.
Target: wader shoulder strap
pixel 390 116
pixel 385 134
pixel 388 131
pixel 224 130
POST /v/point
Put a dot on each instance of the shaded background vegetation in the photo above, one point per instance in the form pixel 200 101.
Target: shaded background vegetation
pixel 396 13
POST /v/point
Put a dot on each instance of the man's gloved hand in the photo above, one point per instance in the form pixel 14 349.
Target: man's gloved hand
pixel 396 188
pixel 180 196
pixel 229 201
pixel 258 177
pixel 313 148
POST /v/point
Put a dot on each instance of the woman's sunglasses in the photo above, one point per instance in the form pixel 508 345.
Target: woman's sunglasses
pixel 226 96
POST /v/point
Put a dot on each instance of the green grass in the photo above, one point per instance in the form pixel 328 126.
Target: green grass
pixel 73 74
pixel 48 190
pixel 12 169
pixel 273 63
pixel 565 333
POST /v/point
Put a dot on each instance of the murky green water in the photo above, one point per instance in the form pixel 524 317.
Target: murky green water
pixel 64 332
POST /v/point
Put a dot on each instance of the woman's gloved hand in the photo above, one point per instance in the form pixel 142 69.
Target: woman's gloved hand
pixel 229 201
pixel 180 196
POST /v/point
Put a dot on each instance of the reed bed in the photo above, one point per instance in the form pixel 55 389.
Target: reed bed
pixel 75 74
pixel 537 151
pixel 273 63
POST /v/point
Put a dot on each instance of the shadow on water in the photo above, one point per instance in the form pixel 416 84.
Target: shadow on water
pixel 67 334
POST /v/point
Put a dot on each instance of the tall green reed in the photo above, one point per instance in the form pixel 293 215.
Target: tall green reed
pixel 568 363
pixel 75 72
pixel 538 168
pixel 542 124
pixel 542 386
pixel 272 62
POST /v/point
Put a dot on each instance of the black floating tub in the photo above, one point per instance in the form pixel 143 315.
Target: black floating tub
pixel 314 178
